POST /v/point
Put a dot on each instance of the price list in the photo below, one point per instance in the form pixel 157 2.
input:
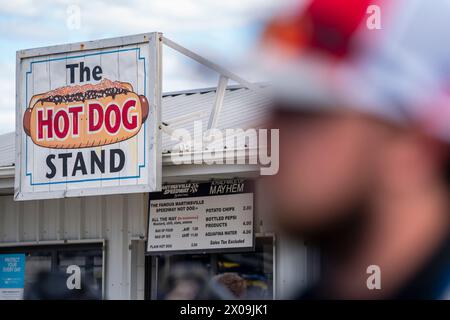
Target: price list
pixel 201 223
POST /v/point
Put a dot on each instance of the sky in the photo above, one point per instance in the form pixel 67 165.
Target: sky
pixel 224 31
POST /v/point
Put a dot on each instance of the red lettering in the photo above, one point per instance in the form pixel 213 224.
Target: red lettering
pixel 41 123
pixel 75 110
pixel 95 108
pixel 61 133
pixel 62 122
pixel 113 129
pixel 129 125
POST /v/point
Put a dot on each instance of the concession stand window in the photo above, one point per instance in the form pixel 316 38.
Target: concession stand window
pixel 255 267
pixel 199 232
pixel 88 257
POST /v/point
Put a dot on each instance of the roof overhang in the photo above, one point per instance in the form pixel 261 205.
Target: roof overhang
pixel 171 172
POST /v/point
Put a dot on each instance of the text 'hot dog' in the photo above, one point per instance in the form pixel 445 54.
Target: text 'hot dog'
pixel 84 116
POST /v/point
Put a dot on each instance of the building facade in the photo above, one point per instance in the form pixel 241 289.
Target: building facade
pixel 105 236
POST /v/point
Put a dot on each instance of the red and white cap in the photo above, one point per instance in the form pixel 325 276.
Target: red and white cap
pixel 322 54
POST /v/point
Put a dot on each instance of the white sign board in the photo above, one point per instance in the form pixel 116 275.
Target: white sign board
pixel 201 217
pixel 87 118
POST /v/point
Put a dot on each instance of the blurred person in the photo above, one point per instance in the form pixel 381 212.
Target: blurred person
pixel 52 286
pixel 364 125
pixel 232 282
pixel 186 282
pixel 191 281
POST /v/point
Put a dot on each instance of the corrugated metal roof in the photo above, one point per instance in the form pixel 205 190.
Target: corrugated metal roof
pixel 242 108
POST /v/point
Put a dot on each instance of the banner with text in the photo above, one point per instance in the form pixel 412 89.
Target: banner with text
pixel 87 118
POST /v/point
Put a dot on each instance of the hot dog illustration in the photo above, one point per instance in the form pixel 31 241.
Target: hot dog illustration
pixel 84 116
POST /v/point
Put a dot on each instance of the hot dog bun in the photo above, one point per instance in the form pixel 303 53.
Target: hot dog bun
pixel 104 93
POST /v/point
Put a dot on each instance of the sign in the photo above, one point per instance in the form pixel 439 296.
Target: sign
pixel 12 276
pixel 87 118
pixel 201 217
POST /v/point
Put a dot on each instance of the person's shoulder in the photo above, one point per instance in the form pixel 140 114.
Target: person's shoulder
pixel 309 293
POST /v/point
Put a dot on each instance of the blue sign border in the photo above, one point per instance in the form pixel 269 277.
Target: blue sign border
pixel 140 166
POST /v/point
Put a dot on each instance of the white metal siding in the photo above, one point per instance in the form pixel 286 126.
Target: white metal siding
pixel 118 219
pixel 121 220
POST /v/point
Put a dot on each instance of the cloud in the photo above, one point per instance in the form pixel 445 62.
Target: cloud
pixel 217 29
pixel 25 8
pixel 98 16
pixel 7 98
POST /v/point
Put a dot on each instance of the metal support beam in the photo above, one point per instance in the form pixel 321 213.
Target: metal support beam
pixel 218 103
pixel 208 64
pixel 166 129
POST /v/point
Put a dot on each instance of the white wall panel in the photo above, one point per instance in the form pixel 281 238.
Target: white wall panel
pixel 72 216
pixel 92 218
pixel 48 215
pixel 30 219
pixel 117 219
pixel 120 220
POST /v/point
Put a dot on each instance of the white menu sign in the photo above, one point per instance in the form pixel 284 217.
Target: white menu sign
pixel 201 217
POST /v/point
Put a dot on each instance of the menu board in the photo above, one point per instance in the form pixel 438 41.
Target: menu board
pixel 201 217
